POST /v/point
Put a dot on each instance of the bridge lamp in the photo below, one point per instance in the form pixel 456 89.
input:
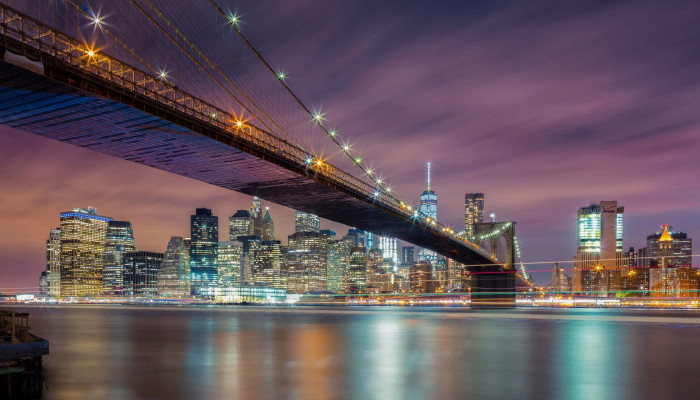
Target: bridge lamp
pixel 163 75
pixel 234 19
pixel 318 117
pixel 309 160
pixel 376 193
pixel 332 133
pixel 346 148
pixel 358 160
pixel 319 162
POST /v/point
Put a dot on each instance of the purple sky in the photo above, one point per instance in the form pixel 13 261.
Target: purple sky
pixel 543 106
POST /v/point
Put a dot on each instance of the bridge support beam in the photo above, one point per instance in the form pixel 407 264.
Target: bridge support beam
pixel 492 287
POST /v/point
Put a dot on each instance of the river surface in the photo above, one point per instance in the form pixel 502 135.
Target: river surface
pixel 239 352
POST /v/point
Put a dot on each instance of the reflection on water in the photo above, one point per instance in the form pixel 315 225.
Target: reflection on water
pixel 255 353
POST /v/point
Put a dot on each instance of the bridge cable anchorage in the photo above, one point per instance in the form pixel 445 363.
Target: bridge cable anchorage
pixel 316 116
pixel 115 38
pixel 212 65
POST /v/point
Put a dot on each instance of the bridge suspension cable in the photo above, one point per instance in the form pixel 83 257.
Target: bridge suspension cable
pixel 211 65
pixel 317 116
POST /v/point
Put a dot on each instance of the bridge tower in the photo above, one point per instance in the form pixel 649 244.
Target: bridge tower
pixel 491 286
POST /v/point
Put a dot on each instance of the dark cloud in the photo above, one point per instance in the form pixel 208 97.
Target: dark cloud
pixel 543 106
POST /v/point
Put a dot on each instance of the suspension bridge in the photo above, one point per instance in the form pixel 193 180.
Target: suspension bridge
pixel 219 113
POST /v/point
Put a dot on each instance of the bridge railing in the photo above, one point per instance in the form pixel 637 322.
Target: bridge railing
pixel 30 34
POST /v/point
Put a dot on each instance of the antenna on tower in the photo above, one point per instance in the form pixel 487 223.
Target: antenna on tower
pixel 428 175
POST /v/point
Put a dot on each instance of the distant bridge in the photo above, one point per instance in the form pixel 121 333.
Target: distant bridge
pixel 57 86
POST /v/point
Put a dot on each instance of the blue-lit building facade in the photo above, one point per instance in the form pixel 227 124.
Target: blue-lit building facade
pixel 204 243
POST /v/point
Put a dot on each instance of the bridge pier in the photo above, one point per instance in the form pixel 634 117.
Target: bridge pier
pixel 492 287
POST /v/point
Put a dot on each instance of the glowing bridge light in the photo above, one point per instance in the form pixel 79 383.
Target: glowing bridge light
pixel 332 133
pixel 281 75
pixel 319 162
pixel 234 18
pixel 358 160
pixel 370 172
pixel 163 75
pixel 346 148
pixel 309 160
pixel 318 116
pixel 239 123
pixel 376 193
pixel 213 115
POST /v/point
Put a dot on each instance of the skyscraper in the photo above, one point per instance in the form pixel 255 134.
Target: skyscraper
pixel 204 245
pixel 597 269
pixel 661 275
pixel 174 275
pixel 229 263
pixel 388 247
pixel 270 265
pixel 682 247
pixel 408 254
pixel 118 240
pixel 268 227
pixel 53 263
pixel 240 224
pixel 338 260
pixel 428 208
pixel 357 270
pixel 305 222
pixel 306 262
pixel 473 211
pixel 256 217
pixel 140 269
pixel 359 237
pixel 83 235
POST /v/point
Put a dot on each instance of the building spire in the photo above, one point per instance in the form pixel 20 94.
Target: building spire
pixel 665 236
pixel 428 175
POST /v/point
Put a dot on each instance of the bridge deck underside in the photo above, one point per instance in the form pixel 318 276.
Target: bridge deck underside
pixel 47 107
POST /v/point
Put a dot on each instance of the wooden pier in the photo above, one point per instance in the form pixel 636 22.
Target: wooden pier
pixel 20 357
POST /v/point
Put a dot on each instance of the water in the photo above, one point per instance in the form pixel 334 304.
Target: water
pixel 119 352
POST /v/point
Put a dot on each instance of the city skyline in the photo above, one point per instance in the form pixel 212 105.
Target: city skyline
pixel 38 173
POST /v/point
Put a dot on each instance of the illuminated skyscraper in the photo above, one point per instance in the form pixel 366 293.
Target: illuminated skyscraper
pixel 83 235
pixel 682 248
pixel 268 227
pixel 204 246
pixel 428 208
pixel 473 211
pixel 597 269
pixel 174 274
pixel 661 275
pixel 53 263
pixel 228 265
pixel 119 240
pixel 305 222
pixel 256 217
pixel 408 254
pixel 357 270
pixel 306 262
pixel 359 237
pixel 270 264
pixel 387 246
pixel 338 260
pixel 240 224
pixel 140 271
